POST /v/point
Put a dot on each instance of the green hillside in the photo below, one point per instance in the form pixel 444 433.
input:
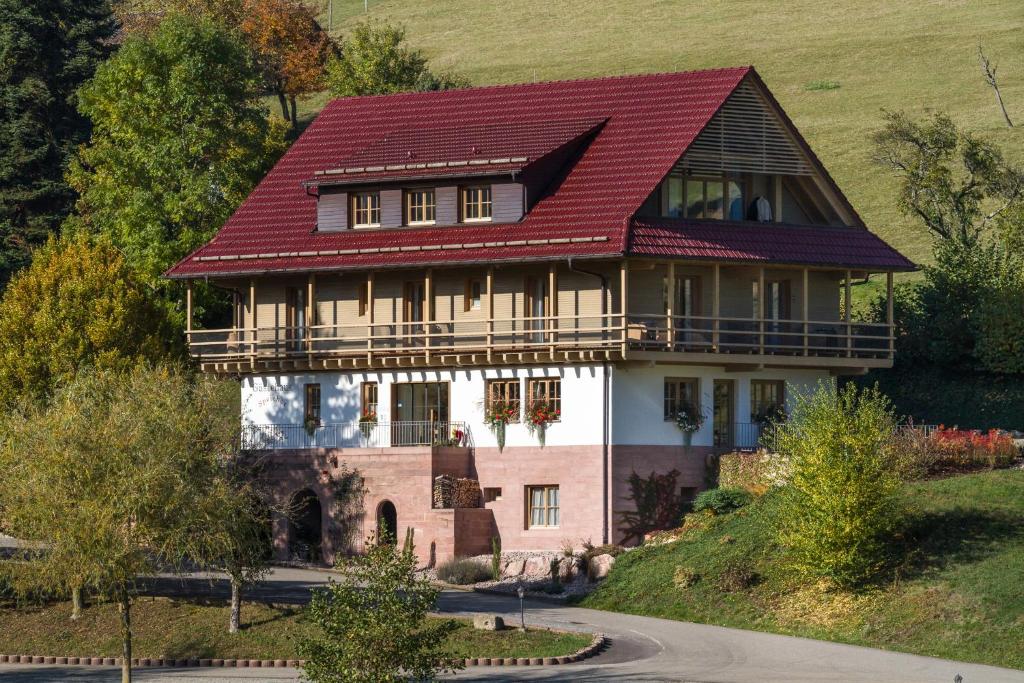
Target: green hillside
pixel 916 55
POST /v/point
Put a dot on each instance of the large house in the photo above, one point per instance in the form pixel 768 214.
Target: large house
pixel 596 255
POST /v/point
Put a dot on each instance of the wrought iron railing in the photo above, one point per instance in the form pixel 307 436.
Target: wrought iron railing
pixel 753 435
pixel 263 437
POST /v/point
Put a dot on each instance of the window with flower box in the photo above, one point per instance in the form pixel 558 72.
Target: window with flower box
pixel 767 399
pixel 368 400
pixel 504 393
pixel 548 391
pixel 681 392
pixel 312 405
pixel 542 507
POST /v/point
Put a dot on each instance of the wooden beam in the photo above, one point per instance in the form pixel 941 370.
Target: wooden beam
pixel 369 315
pixel 552 305
pixel 805 311
pixel 760 309
pixel 310 314
pixel 670 298
pixel 716 301
pixel 188 311
pixel 624 302
pixel 889 313
pixel 428 308
pixel 847 312
pixel 490 312
pixel 777 187
pixel 252 326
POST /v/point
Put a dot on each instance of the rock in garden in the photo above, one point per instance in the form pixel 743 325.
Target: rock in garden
pixel 488 622
pixel 513 568
pixel 600 566
pixel 537 566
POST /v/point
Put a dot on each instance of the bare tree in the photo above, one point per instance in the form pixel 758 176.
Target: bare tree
pixel 989 70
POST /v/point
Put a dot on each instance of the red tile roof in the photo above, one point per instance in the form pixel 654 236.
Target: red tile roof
pixel 650 120
pixel 764 242
pixel 457 150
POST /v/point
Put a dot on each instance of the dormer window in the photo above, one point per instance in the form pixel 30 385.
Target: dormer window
pixel 476 204
pixel 419 207
pixel 366 210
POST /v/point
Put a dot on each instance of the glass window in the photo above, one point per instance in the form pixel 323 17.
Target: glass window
pixel 767 399
pixel 543 506
pixel 366 210
pixel 419 206
pixel 476 203
pixel 546 390
pixel 736 201
pixel 714 199
pixel 368 399
pixel 674 196
pixel 695 199
pixel 472 295
pixel 504 394
pixel 312 407
pixel 681 393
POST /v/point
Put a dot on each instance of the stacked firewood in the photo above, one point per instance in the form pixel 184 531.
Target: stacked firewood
pixel 451 492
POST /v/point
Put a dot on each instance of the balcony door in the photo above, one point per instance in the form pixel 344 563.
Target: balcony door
pixel 295 318
pixel 414 307
pixel 536 307
pixel 686 300
pixel 419 409
pixel 722 413
pixel 774 307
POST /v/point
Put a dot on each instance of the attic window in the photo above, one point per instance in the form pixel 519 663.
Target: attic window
pixel 476 204
pixel 366 210
pixel 419 207
pixel 707 197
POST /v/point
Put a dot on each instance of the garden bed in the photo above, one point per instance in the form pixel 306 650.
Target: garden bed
pixel 172 629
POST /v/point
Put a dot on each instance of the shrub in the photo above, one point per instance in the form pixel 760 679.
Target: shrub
pixel 495 558
pixel 685 577
pixel 737 575
pixel 841 507
pixel 722 501
pixel 754 472
pixel 462 571
pixel 968 449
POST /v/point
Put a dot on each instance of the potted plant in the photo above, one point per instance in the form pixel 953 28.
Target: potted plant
pixel 540 415
pixel 311 424
pixel 689 420
pixel 497 417
pixel 367 422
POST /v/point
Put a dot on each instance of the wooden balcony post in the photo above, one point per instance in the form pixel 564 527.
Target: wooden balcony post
pixel 252 323
pixel 624 303
pixel 759 310
pixel 889 313
pixel 805 312
pixel 310 316
pixel 490 313
pixel 716 304
pixel 670 296
pixel 188 312
pixel 428 308
pixel 553 308
pixel 369 316
pixel 847 307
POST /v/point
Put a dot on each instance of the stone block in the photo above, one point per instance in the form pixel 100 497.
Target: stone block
pixel 600 566
pixel 513 568
pixel 488 622
pixel 537 566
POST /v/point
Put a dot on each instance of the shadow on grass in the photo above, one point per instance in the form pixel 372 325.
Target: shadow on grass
pixel 934 541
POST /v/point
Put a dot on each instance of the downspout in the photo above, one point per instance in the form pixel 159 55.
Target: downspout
pixel 605 412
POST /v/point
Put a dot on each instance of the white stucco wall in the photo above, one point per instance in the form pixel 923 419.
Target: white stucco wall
pixel 638 399
pixel 637 395
pixel 278 399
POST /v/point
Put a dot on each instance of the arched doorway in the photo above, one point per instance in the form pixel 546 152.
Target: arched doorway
pixel 304 516
pixel 387 522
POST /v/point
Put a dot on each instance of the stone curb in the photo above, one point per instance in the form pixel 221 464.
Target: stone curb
pixel 596 645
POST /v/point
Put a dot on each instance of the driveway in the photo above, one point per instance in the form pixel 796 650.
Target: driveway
pixel 643 649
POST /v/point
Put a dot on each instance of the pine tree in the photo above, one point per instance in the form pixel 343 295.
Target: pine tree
pixel 48 48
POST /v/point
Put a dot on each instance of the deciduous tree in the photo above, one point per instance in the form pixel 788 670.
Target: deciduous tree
pixel 119 477
pixel 180 138
pixel 48 48
pixel 375 60
pixel 79 304
pixel 372 623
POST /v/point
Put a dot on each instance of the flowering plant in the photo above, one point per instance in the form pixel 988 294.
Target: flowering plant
pixel 369 416
pixel 539 416
pixel 689 419
pixel 501 413
pixel 963 448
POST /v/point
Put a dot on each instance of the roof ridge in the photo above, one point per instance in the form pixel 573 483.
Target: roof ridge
pixel 746 68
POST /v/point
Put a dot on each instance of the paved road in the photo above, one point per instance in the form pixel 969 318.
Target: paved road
pixel 643 649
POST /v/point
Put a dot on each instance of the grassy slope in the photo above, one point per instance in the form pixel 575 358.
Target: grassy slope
pixel 917 55
pixel 163 628
pixel 958 597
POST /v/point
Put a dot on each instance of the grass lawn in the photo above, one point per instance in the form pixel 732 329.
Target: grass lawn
pixel 957 596
pixel 833 66
pixel 166 628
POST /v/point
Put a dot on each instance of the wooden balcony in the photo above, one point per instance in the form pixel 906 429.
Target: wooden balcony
pixel 732 341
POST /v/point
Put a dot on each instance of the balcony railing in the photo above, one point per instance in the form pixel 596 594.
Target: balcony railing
pixel 264 437
pixel 550 334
